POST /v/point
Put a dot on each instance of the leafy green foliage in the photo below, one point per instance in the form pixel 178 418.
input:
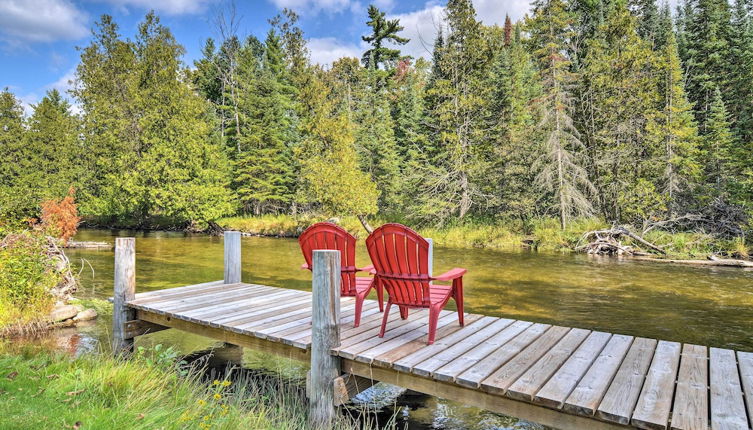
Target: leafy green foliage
pixel 27 274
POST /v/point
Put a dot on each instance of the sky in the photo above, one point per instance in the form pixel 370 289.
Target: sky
pixel 38 38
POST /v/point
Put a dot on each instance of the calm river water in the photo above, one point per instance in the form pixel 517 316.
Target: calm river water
pixel 710 306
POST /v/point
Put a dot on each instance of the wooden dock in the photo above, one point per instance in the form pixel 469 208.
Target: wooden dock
pixel 568 378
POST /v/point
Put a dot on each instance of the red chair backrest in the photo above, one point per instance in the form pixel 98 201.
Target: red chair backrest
pixel 325 235
pixel 401 259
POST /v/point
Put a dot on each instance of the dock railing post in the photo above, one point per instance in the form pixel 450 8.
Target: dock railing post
pixel 125 290
pixel 325 335
pixel 232 257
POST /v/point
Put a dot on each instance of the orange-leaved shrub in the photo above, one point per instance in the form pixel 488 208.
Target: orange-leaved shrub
pixel 60 217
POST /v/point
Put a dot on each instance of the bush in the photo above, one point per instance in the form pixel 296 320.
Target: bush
pixel 60 218
pixel 27 274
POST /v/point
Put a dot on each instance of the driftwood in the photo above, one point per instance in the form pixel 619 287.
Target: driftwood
pixel 88 245
pixel 608 242
pixel 711 261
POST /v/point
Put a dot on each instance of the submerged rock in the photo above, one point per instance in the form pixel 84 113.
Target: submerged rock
pixel 62 313
pixel 85 315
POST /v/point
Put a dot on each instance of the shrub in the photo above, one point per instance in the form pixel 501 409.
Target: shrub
pixel 60 218
pixel 27 274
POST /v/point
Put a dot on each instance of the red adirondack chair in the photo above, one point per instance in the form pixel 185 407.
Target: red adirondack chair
pixel 401 259
pixel 325 235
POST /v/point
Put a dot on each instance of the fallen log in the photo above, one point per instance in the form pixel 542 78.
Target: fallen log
pixel 607 242
pixel 717 262
pixel 88 245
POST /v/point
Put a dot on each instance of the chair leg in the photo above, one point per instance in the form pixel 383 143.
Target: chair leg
pixel 433 318
pixel 458 295
pixel 359 306
pixel 403 312
pixel 384 318
pixel 380 294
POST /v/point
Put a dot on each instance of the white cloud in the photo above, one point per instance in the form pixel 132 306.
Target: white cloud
pixel 311 7
pixel 170 7
pixel 421 26
pixel 30 21
pixel 325 50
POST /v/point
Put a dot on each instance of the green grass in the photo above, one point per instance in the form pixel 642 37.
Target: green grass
pixel 542 234
pixel 42 389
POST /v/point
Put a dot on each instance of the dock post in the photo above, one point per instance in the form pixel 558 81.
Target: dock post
pixel 232 257
pixel 325 330
pixel 125 290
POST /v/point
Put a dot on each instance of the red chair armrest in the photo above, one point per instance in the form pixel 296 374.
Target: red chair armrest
pixel 369 268
pixel 451 274
pixel 305 266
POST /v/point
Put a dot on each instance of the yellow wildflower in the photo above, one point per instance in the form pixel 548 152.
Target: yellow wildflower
pixel 216 382
pixel 202 402
pixel 225 383
pixel 217 396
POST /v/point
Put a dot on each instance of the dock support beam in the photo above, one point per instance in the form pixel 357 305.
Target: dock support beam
pixel 325 335
pixel 125 290
pixel 232 257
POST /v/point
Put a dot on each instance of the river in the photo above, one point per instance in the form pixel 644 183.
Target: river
pixel 710 306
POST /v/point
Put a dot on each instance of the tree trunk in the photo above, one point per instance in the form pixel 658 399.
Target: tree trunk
pixel 365 224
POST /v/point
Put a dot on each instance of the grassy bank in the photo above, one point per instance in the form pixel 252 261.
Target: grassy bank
pixel 48 390
pixel 541 233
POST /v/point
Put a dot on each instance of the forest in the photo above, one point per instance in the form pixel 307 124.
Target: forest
pixel 626 111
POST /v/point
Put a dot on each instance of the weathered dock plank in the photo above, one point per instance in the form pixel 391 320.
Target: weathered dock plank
pixel 564 377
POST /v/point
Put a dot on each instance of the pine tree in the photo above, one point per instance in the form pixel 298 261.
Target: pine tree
pixel 673 131
pixel 382 30
pixel 330 177
pixel 264 170
pixel 741 77
pixel 647 13
pixel 457 102
pixel 513 127
pixel 13 202
pixel 52 150
pixel 148 133
pixel 708 56
pixel 718 146
pixel 560 168
pixel 621 73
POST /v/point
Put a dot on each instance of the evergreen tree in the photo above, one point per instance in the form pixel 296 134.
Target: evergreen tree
pixel 457 103
pixel 13 202
pixel 330 177
pixel 52 151
pixel 621 72
pixel 382 30
pixel 741 78
pixel 673 132
pixel 147 132
pixel 560 168
pixel 647 13
pixel 718 146
pixel 513 126
pixel 264 170
pixel 707 56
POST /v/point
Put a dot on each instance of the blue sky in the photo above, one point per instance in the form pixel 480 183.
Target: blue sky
pixel 38 38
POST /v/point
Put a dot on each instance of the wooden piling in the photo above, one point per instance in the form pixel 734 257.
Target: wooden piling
pixel 325 330
pixel 232 257
pixel 125 290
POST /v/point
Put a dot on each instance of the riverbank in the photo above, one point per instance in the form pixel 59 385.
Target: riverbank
pixel 40 388
pixel 540 234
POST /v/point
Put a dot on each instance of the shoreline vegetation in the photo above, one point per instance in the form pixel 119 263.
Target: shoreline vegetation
pixel 151 389
pixel 542 234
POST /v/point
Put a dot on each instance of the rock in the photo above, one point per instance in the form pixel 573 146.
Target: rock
pixel 62 313
pixel 86 315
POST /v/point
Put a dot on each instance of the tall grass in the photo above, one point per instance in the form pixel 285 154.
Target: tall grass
pixel 503 233
pixel 49 390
